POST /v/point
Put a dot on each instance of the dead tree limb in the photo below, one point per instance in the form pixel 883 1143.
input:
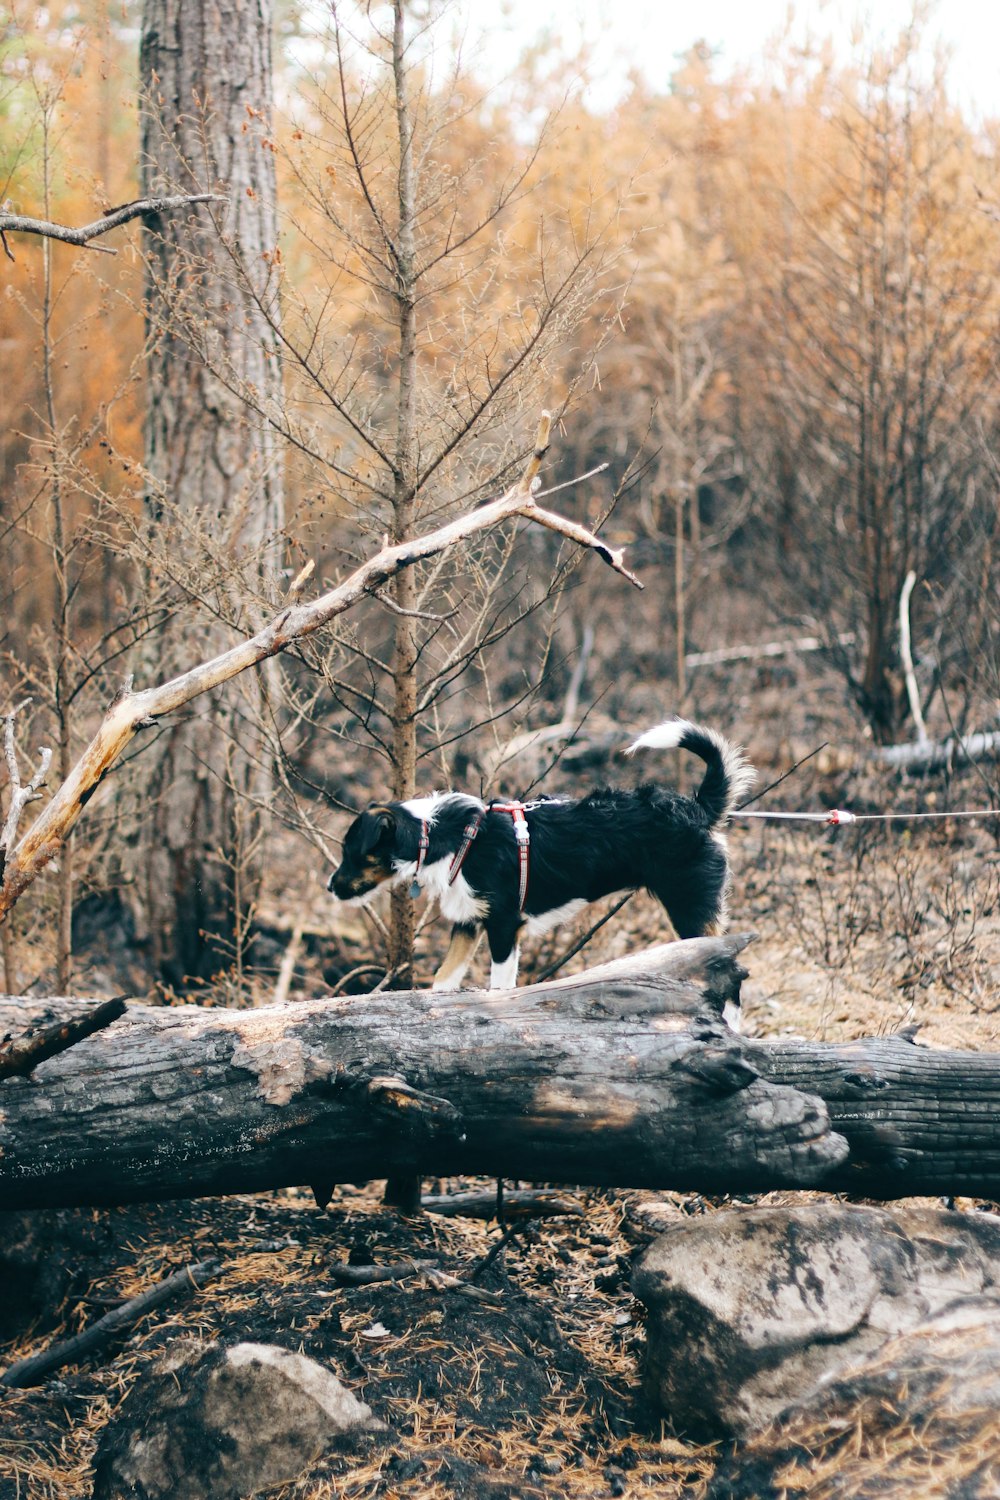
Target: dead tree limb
pixel 519 1204
pixel 113 219
pixel 625 1075
pixel 34 1369
pixel 130 711
pixel 22 1054
pixel 930 755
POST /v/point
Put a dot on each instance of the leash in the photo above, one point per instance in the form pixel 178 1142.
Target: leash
pixel 839 815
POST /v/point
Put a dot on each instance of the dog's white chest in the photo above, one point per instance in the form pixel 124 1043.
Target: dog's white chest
pixel 457 901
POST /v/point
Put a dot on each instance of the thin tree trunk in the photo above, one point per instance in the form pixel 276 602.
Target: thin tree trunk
pixel 194 863
pixel 404 666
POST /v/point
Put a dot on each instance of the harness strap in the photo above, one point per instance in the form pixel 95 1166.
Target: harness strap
pixel 468 835
pixel 424 845
pixel 516 810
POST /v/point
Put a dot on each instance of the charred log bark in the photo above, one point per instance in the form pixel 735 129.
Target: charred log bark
pixel 627 1074
pixel 624 1076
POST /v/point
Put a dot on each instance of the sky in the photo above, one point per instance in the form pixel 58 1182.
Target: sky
pixel 625 34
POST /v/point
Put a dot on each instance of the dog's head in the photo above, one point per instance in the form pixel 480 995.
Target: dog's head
pixel 367 860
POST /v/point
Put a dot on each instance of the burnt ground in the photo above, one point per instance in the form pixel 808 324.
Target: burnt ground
pixel 525 1384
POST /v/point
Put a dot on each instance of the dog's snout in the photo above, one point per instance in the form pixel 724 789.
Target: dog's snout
pixel 331 884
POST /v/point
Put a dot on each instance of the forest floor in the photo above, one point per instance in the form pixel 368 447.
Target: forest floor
pixel 535 1390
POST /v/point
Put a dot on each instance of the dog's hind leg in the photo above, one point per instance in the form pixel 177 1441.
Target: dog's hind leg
pixel 464 938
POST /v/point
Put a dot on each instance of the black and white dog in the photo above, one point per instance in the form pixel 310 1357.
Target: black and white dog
pixel 508 867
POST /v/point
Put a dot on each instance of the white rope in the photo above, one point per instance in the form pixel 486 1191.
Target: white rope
pixel 838 815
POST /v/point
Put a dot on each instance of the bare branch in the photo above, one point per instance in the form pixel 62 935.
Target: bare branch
pixel 10 223
pixel 613 556
pixel 131 711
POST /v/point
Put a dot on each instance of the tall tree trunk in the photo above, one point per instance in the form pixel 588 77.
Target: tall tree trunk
pixel 194 860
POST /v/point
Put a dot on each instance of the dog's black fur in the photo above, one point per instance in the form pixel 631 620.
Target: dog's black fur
pixel 611 840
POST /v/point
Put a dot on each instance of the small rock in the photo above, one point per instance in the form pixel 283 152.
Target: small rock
pixel 210 1423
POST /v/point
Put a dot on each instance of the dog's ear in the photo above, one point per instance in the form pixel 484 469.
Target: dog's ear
pixel 378 828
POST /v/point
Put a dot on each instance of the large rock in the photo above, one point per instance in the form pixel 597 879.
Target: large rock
pixel 215 1424
pixel 920 1417
pixel 750 1309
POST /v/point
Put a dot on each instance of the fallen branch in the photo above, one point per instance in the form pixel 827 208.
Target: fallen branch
pixel 34 1369
pixel 794 647
pixel 930 755
pixel 131 711
pixel 21 224
pixel 348 1275
pixel 20 1055
pixel 518 1203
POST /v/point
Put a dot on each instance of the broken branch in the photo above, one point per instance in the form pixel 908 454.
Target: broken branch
pixel 19 223
pixel 22 1054
pixel 33 1370
pixel 130 711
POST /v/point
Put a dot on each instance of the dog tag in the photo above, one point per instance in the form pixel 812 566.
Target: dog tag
pixel 415 890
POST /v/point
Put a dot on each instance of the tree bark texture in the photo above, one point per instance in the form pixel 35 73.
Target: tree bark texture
pixel 194 861
pixel 623 1076
pixel 626 1075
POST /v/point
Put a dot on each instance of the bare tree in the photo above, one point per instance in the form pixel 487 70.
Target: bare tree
pixel 871 335
pixel 437 307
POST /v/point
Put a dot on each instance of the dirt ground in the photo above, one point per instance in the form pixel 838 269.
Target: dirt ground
pixel 532 1388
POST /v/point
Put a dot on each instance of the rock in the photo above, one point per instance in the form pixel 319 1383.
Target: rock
pixel 750 1309
pixel 212 1423
pixel 921 1416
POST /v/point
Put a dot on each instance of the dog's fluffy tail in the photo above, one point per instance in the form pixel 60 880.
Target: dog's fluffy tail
pixel 729 775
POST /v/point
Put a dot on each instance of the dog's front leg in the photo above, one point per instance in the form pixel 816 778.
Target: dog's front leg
pixel 464 938
pixel 504 952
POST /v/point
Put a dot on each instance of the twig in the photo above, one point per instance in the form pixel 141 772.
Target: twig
pixel 533 1203
pixel 288 962
pixel 33 1370
pixel 557 963
pixel 20 224
pixel 347 1275
pixel 23 1053
pixel 613 556
pixel 412 614
pixel 783 777
pixel 495 1250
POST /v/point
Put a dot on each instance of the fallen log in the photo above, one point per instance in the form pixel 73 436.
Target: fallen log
pixel 626 1075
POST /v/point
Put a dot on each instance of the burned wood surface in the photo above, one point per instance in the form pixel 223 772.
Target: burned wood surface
pixel 626 1075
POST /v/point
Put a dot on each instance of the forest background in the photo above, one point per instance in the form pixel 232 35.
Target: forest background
pixel 769 309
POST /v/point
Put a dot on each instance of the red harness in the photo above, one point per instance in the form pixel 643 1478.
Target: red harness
pixel 516 810
pixel 521 834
